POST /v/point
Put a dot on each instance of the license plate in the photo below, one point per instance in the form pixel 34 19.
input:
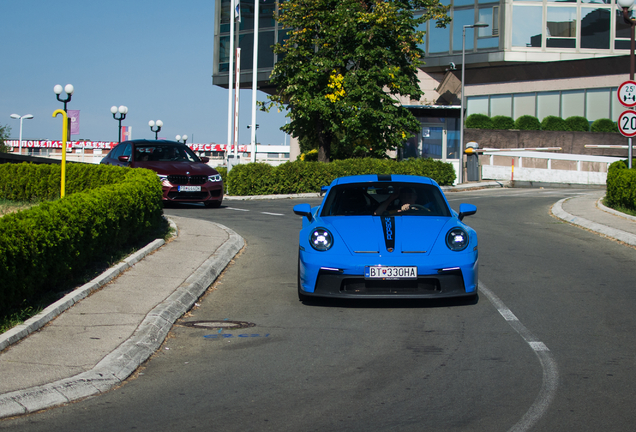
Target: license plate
pixel 390 273
pixel 189 188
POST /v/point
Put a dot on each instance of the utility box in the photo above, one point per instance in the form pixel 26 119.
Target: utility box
pixel 473 173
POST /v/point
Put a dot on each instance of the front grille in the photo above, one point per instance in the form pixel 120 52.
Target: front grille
pixel 184 180
pixel 362 286
pixel 178 179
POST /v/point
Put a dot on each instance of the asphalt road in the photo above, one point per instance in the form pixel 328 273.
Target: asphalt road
pixel 548 346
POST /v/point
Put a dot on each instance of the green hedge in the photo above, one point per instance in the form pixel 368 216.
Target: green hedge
pixel 478 121
pixel 105 209
pixel 554 123
pixel 604 125
pixel 527 122
pixel 621 186
pixel 503 122
pixel 303 177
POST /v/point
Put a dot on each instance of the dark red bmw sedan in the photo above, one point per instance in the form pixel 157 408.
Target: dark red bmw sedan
pixel 184 176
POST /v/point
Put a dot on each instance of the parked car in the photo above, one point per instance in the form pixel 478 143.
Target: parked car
pixel 386 236
pixel 184 176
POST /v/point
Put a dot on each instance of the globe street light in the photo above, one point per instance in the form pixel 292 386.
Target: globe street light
pixel 68 89
pixel 184 138
pixel 123 110
pixel 461 113
pixel 17 117
pixel 627 6
pixel 152 123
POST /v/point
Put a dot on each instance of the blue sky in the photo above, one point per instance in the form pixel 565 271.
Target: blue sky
pixel 155 57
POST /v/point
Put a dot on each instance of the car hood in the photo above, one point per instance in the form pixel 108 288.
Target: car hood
pixel 178 168
pixel 366 233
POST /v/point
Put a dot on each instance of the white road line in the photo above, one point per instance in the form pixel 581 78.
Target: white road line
pixel 237 209
pixel 273 214
pixel 548 364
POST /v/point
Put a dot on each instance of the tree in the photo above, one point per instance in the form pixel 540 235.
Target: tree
pixel 343 65
pixel 4 134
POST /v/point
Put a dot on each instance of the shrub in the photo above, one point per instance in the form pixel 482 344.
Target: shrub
pixel 303 177
pixel 527 122
pixel 45 246
pixel 621 186
pixel 554 123
pixel 604 125
pixel 503 122
pixel 478 121
pixel 578 124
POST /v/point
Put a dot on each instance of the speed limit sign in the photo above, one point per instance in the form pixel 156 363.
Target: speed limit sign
pixel 627 123
pixel 627 94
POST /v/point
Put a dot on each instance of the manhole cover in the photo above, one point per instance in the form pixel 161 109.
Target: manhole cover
pixel 219 324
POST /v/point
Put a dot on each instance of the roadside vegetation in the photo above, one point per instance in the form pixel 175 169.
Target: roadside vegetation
pixel 7 206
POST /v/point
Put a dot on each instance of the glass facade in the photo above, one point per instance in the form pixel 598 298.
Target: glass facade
pixel 592 104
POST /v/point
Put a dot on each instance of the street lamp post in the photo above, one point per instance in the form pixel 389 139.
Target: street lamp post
pixel 253 157
pixel 461 113
pixel 17 117
pixel 152 124
pixel 68 89
pixel 184 138
pixel 627 6
pixel 122 110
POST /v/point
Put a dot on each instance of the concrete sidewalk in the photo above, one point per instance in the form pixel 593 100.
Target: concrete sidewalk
pixel 97 336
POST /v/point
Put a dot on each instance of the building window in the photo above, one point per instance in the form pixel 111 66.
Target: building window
pixel 461 18
pixel 501 105
pixel 622 31
pixel 523 104
pixel 573 103
pixel 438 39
pixel 477 105
pixel 527 22
pixel 597 103
pixel 595 28
pixel 548 105
pixel 561 27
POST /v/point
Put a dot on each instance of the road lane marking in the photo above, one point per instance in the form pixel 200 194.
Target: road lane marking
pixel 548 365
pixel 272 214
pixel 237 209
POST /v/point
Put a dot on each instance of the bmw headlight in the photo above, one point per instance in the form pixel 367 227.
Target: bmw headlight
pixel 321 239
pixel 457 239
pixel 214 178
pixel 163 179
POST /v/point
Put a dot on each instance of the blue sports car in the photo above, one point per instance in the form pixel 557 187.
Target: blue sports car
pixel 386 236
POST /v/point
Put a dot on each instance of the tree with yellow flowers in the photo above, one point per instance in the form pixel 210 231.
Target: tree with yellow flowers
pixel 342 67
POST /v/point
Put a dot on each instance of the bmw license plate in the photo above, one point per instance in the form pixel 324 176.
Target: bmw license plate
pixel 390 273
pixel 189 188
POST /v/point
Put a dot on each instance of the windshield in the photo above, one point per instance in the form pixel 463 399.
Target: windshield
pixel 386 198
pixel 164 153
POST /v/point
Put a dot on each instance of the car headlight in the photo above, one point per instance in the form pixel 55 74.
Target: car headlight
pixel 214 178
pixel 163 179
pixel 321 239
pixel 457 239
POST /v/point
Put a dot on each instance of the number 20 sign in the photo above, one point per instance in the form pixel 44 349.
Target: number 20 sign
pixel 627 123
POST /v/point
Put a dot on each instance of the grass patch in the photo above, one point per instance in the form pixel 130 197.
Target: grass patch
pixel 7 206
pixel 33 306
pixel 620 208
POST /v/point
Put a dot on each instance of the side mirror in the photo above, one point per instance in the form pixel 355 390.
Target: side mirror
pixel 204 159
pixel 123 158
pixel 323 189
pixel 466 210
pixel 303 210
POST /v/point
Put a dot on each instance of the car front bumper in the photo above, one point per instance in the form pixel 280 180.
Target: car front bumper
pixel 210 192
pixel 450 275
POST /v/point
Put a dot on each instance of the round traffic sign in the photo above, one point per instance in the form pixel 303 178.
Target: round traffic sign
pixel 627 93
pixel 627 123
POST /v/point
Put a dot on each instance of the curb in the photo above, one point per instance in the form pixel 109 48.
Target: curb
pixel 113 369
pixel 616 234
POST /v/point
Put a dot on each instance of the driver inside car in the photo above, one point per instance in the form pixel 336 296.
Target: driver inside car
pixel 407 197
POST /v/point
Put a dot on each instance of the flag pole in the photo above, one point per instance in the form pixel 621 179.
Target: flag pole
pixel 230 80
pixel 254 78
